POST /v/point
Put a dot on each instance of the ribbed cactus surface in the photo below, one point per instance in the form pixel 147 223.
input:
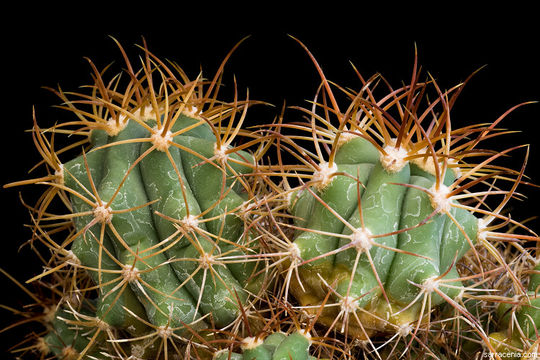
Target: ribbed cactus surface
pixel 381 236
pixel 147 227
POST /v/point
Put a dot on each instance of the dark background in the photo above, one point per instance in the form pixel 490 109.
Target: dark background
pixel 46 46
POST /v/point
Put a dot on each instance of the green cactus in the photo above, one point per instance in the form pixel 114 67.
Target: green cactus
pixel 72 333
pixel 66 339
pixel 162 207
pixel 386 207
pixel 276 346
pixel 386 242
pixel 388 234
pixel 518 322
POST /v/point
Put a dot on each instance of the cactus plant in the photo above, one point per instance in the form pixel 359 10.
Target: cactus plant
pixel 389 227
pixel 276 346
pixel 388 199
pixel 161 232
pixel 518 319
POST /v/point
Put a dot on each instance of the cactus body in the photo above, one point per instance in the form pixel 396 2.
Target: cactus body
pixel 160 206
pixel 386 218
pixel 518 322
pixel 94 248
pixel 174 286
pixel 361 207
pixel 67 340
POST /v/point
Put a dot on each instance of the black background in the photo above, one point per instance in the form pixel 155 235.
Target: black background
pixel 46 46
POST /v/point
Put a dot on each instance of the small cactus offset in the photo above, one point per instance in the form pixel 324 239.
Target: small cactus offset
pixel 276 346
pixel 518 319
pixel 168 230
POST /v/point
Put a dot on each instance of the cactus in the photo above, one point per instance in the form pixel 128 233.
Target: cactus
pixel 518 319
pixel 161 230
pixel 386 236
pixel 276 346
pixel 386 204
